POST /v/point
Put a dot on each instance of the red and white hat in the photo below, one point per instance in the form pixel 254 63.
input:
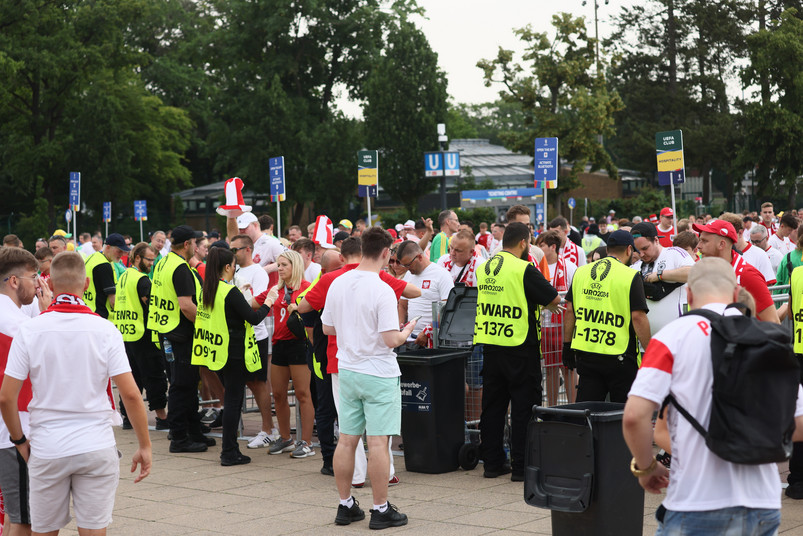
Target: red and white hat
pixel 323 233
pixel 667 211
pixel 235 205
pixel 718 227
pixel 653 218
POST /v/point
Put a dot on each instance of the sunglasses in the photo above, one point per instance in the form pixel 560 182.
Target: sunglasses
pixel 235 250
pixel 407 265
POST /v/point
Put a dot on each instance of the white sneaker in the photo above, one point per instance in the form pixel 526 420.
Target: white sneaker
pixel 303 450
pixel 262 439
pixel 274 435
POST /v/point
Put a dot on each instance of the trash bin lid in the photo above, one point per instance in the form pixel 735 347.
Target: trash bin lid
pixel 457 318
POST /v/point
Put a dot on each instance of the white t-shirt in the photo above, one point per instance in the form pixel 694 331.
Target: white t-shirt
pixel 784 245
pixel 570 269
pixel 678 361
pixel 11 318
pixel 360 306
pixel 760 261
pixel 435 283
pixel 312 271
pixel 494 246
pixel 266 250
pixel 664 311
pixel 70 358
pixel 86 249
pixel 775 257
pixel 256 276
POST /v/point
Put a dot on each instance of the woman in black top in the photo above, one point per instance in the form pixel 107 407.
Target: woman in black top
pixel 220 266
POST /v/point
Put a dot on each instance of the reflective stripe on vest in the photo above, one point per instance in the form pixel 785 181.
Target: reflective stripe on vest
pixel 94 260
pixel 210 343
pixel 796 300
pixel 601 303
pixel 164 313
pixel 502 315
pixel 128 315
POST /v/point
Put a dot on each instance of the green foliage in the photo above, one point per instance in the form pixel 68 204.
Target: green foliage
pixel 648 201
pixel 490 120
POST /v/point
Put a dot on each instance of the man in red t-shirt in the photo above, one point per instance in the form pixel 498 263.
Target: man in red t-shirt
pixel 665 227
pixel 716 240
pixel 314 300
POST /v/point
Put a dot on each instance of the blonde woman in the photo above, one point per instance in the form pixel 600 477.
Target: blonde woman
pixel 290 356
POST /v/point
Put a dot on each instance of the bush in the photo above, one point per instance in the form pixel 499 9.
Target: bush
pixel 648 201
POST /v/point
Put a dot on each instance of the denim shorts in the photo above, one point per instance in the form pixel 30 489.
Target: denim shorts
pixel 369 404
pixel 736 521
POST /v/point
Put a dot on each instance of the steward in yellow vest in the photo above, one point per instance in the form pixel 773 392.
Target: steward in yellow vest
pixel 796 309
pixel 510 292
pixel 224 341
pixel 607 309
pixel 99 295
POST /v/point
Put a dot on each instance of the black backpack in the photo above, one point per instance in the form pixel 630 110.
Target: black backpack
pixel 756 379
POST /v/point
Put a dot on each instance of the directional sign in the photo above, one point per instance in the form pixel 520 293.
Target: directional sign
pixel 669 152
pixel 277 186
pixel 75 190
pixel 451 163
pixel 546 162
pixel 367 173
pixel 433 164
pixel 539 213
pixel 141 210
pixel 107 211
pixel 68 215
pixel 571 202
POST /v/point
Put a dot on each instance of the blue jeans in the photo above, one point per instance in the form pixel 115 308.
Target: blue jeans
pixel 737 521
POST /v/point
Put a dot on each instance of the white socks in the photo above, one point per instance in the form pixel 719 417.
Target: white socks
pixel 348 503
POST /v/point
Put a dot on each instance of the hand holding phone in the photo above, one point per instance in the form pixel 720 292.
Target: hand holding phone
pixel 413 321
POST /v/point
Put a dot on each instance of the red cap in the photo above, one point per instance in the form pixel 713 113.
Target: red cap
pixel 666 211
pixel 653 218
pixel 392 233
pixel 718 227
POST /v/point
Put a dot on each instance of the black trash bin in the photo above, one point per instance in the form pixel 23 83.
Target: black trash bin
pixel 433 390
pixel 578 466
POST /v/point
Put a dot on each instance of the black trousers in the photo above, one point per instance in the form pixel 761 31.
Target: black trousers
pixel 796 461
pixel 601 375
pixel 147 368
pixel 182 397
pixel 233 375
pixel 507 380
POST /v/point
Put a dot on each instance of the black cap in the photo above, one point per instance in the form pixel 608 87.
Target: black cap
pixel 117 240
pixel 644 230
pixel 621 238
pixel 219 244
pixel 182 233
pixel 340 235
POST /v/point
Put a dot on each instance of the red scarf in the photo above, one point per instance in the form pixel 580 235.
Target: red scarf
pixel 470 267
pixel 570 252
pixel 738 264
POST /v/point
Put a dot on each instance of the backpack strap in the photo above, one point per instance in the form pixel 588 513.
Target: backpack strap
pixel 708 314
pixel 697 426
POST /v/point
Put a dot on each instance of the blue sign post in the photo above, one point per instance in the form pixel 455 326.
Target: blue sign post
pixel 107 215
pixel 433 164
pixel 75 199
pixel 572 203
pixel 451 164
pixel 277 188
pixel 546 165
pixel 140 215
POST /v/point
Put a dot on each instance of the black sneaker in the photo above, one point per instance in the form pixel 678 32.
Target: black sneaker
pixel 218 422
pixel 238 459
pixel 346 515
pixel 127 424
pixel 493 472
pixel 794 491
pixel 162 424
pixel 517 477
pixel 389 518
pixel 206 440
pixel 327 470
pixel 187 445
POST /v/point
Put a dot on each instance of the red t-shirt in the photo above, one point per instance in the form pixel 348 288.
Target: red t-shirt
pixel 664 236
pixel 483 239
pixel 316 297
pixel 280 330
pixel 752 280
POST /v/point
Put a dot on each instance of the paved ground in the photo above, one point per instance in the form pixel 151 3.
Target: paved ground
pixel 191 494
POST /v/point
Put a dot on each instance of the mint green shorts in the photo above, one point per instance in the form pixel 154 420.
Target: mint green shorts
pixel 369 404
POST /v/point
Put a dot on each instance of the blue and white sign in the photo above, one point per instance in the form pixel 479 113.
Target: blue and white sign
pixel 665 178
pixel 141 210
pixel 510 193
pixel 571 202
pixel 451 163
pixel 107 211
pixel 539 213
pixel 433 164
pixel 68 215
pixel 369 190
pixel 75 190
pixel 276 165
pixel 546 159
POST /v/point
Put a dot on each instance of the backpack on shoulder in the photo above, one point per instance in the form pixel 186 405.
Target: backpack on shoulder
pixel 756 380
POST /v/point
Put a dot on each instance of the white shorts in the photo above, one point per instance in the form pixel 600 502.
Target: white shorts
pixel 91 478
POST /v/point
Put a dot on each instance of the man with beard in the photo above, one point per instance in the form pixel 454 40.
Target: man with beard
pixel 606 311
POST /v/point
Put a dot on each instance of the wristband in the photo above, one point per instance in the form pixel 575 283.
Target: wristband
pixel 642 472
pixel 20 441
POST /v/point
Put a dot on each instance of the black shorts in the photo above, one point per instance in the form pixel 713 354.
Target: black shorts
pixel 290 352
pixel 260 375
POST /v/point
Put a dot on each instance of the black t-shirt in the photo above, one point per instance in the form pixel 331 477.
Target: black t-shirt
pixel 103 283
pixel 638 302
pixel 184 282
pixel 144 291
pixel 237 313
pixel 538 291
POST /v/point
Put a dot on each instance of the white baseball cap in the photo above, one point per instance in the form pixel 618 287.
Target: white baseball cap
pixel 245 220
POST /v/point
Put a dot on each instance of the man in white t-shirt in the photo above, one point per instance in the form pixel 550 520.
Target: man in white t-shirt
pixel 72 451
pixel 664 270
pixel 759 239
pixel 462 260
pixel 370 397
pixel 780 239
pixel 569 250
pixel 434 282
pixel 251 274
pixel 706 495
pixel 495 242
pixel 306 248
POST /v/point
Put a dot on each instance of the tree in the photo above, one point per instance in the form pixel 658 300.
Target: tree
pixel 559 94
pixel 406 99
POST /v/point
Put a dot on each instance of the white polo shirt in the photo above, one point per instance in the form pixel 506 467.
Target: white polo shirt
pixel 255 276
pixel 267 249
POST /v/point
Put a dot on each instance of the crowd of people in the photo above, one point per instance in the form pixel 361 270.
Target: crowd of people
pixel 248 308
